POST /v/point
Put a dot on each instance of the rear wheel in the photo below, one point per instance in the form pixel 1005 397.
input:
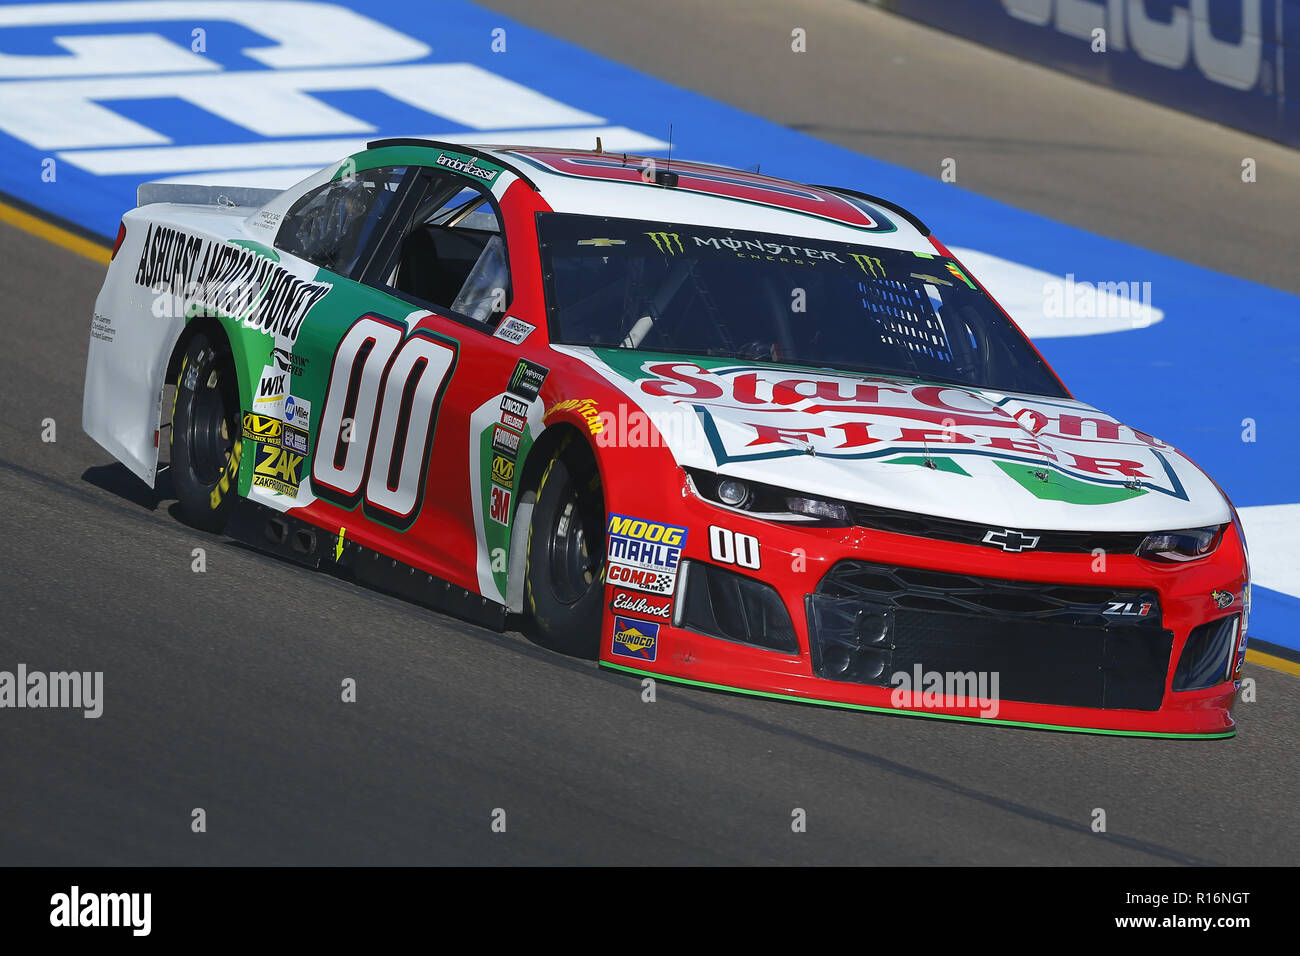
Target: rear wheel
pixel 565 576
pixel 205 435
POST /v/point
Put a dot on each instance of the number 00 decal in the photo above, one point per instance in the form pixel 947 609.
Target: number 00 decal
pixel 381 407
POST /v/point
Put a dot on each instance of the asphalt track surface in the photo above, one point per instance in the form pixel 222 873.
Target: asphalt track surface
pixel 222 688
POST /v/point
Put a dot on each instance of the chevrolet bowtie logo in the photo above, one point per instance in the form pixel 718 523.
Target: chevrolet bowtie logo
pixel 1009 540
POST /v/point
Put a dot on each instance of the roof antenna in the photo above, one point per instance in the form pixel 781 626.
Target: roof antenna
pixel 666 176
pixel 599 148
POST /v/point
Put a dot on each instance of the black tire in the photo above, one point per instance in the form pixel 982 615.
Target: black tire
pixel 565 573
pixel 205 435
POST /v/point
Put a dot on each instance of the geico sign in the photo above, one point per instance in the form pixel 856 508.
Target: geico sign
pixel 1127 24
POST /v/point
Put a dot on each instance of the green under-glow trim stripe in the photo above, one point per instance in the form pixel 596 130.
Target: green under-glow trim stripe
pixel 897 712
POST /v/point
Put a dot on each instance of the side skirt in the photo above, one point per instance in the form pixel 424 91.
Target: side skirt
pixel 293 539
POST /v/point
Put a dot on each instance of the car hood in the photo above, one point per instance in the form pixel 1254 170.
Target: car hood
pixel 1008 460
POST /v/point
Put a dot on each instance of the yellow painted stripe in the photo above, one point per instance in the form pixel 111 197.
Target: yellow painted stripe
pixel 1273 662
pixel 25 221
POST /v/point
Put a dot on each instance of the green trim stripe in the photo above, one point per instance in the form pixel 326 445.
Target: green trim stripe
pixel 913 713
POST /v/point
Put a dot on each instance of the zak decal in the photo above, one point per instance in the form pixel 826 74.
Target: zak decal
pixel 218 278
pixel 635 638
pixel 513 330
pixel 390 385
pixel 278 469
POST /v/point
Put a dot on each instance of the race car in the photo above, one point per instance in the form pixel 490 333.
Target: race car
pixel 700 424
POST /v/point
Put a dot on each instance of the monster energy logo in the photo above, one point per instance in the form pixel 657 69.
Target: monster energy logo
pixel 665 241
pixel 869 265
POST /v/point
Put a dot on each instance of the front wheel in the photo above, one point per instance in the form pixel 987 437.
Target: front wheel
pixel 565 576
pixel 205 435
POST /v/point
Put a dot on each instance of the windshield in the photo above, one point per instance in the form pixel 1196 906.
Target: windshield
pixel 698 290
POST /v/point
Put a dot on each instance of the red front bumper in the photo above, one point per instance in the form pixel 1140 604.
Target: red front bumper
pixel 794 562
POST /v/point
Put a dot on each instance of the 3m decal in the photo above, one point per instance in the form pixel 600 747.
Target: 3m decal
pixel 294 439
pixel 656 606
pixel 503 470
pixel 499 507
pixel 645 544
pixel 277 469
pixel 505 441
pixel 513 330
pixel 729 547
pixel 527 378
pixel 636 639
pixel 262 429
pixel 390 389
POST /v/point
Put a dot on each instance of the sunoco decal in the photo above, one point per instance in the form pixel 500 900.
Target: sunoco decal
pixel 636 639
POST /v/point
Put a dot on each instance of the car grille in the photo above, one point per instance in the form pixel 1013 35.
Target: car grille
pixel 1048 643
pixel 967 532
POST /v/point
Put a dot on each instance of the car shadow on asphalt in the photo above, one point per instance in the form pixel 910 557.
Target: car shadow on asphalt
pixel 117 480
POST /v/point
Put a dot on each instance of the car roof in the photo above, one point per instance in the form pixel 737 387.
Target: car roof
pixel 625 185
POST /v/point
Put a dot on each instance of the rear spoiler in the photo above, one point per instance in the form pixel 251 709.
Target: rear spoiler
pixel 193 194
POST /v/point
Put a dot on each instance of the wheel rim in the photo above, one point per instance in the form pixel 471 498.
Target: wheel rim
pixel 211 432
pixel 575 564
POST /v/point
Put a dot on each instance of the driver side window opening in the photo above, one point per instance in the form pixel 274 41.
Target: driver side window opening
pixel 452 254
